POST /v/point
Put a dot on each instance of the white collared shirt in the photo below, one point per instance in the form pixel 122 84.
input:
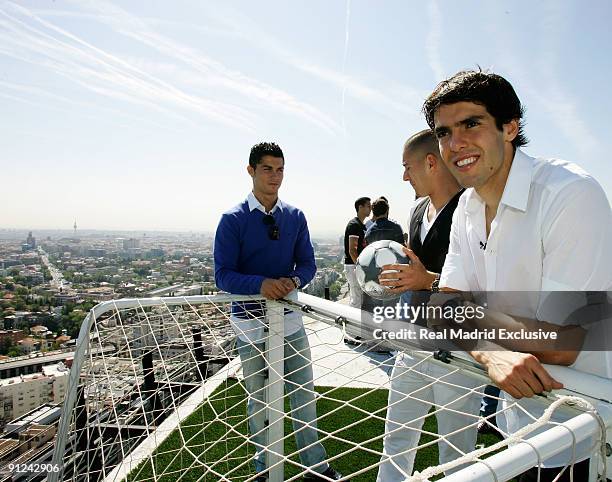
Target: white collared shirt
pixel 255 204
pixel 252 330
pixel 552 232
pixel 426 224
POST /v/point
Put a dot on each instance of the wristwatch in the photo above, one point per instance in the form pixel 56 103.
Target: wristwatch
pixel 296 282
pixel 435 286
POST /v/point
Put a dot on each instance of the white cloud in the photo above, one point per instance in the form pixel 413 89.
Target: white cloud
pixel 31 39
pixel 211 70
pixel 377 98
pixel 432 44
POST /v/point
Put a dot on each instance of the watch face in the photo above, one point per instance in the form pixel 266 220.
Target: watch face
pixel 435 286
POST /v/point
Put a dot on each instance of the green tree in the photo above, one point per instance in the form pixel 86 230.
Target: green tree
pixel 334 290
pixel 21 291
pixel 20 280
pixel 5 346
pixel 142 271
pixel 14 351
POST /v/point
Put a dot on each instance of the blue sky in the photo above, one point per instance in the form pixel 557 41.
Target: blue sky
pixel 141 115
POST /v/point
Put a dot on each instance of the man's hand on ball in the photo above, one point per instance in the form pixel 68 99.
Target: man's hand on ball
pixel 405 277
pixel 274 289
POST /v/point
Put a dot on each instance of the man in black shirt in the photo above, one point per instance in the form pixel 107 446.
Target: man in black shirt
pixel 380 229
pixel 354 236
pixel 383 227
pixel 412 391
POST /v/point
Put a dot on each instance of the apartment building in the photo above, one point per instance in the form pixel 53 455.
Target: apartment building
pixel 19 395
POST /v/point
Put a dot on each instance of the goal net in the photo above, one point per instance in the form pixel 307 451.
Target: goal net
pixel 157 391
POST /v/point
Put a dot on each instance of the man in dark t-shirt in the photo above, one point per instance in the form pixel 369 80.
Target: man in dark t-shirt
pixel 383 227
pixel 354 236
pixel 380 229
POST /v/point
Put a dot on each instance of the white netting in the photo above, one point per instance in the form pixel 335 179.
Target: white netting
pixel 158 393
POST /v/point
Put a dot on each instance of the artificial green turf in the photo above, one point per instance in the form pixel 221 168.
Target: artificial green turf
pixel 176 454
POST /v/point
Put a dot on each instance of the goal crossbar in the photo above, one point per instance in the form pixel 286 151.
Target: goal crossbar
pixel 154 315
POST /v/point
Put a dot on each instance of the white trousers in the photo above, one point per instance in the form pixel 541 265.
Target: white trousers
pixel 415 386
pixel 355 290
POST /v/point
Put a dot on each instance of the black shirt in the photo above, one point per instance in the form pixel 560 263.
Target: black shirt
pixel 354 228
pixel 432 250
pixel 384 228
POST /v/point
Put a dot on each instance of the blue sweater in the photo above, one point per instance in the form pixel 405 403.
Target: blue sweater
pixel 245 255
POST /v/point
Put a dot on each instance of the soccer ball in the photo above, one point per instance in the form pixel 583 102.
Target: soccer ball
pixel 370 263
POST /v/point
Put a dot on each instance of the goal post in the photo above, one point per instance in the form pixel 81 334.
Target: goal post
pixel 156 392
pixel 275 391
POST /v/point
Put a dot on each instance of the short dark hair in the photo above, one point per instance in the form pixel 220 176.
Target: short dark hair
pixel 380 207
pixel 490 90
pixel 360 202
pixel 264 149
pixel 423 142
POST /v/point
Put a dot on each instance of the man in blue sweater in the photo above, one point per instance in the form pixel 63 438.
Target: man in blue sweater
pixel 262 247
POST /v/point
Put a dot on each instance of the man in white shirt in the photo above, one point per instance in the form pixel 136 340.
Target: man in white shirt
pixel 523 224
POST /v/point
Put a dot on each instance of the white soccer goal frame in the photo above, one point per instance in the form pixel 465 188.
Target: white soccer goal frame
pixel 503 466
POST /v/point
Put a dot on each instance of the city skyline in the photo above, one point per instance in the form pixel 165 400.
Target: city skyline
pixel 11 234
pixel 134 117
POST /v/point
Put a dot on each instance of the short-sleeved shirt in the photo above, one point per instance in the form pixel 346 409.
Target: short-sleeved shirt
pixel 552 232
pixel 384 228
pixel 354 228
